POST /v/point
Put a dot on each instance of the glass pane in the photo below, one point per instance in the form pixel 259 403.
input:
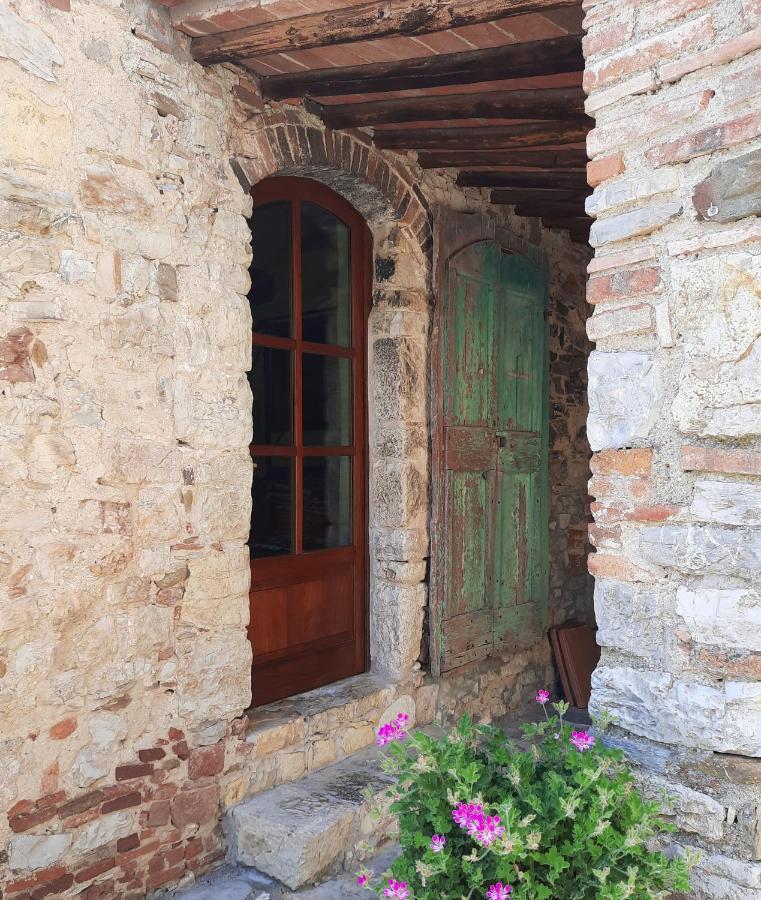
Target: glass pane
pixel 272 507
pixel 325 277
pixel 270 379
pixel 327 502
pixel 270 294
pixel 327 401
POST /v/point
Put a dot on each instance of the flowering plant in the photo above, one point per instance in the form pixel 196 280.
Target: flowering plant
pixel 483 819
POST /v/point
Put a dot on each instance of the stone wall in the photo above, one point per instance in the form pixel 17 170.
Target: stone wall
pixel 125 419
pixel 675 410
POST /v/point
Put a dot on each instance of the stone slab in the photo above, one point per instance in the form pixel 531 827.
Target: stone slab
pixel 298 833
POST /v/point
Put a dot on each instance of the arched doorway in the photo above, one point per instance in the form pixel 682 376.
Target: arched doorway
pixel 308 540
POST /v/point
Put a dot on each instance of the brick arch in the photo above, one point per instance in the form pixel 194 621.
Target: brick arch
pixel 286 143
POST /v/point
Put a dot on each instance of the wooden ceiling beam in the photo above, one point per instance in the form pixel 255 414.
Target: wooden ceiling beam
pixel 574 160
pixel 363 22
pixel 546 196
pixel 495 137
pixel 556 210
pixel 511 180
pixel 540 103
pixel 531 59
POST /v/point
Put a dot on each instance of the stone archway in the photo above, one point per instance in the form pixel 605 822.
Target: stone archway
pixel 287 142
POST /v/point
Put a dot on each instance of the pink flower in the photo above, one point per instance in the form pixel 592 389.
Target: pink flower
pixel 397 889
pixel 362 880
pixel 499 891
pixel 542 696
pixel 467 813
pixel 393 731
pixel 487 831
pixel 437 843
pixel 582 740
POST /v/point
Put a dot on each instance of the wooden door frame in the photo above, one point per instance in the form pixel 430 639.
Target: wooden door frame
pixel 453 231
pixel 290 189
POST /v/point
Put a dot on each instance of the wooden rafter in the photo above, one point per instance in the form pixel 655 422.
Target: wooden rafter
pixel 531 59
pixel 363 22
pixel 543 196
pixel 522 134
pixel 540 103
pixel 512 180
pixel 566 160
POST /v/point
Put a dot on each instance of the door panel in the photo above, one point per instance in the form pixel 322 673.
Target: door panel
pixel 308 542
pixel 494 530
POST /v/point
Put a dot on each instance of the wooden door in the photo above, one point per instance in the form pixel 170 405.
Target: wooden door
pixel 491 534
pixel 308 539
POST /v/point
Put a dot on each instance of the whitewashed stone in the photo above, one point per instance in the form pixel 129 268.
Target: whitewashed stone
pixel 217 590
pixel 726 617
pixel 610 195
pixel 630 618
pixel 32 851
pixel 624 398
pixel 103 831
pixel 703 549
pixel 690 810
pixel 33 131
pixel 727 503
pixel 658 706
pixel 26 44
pixel 107 730
pixel 74 268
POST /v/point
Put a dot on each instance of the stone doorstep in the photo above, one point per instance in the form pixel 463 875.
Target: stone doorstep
pixel 302 832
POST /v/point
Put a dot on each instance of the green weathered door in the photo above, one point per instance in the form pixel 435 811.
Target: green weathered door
pixel 493 549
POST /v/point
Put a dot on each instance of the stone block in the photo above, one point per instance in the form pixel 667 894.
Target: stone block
pixel 398 376
pixel 624 398
pixel 26 44
pixel 691 811
pixel 727 503
pixel 399 494
pixel 718 876
pixel 216 592
pixel 722 617
pixel 703 549
pixel 213 675
pixel 631 619
pixel 623 320
pixel 36 851
pixel 731 191
pixel 610 196
pixel 196 806
pixel 645 220
pixel 103 831
pixel 34 132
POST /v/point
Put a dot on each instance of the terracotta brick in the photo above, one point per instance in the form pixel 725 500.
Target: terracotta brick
pixel 195 806
pixel 51 800
pixel 80 804
pixel 63 5
pixel 614 36
pixel 25 821
pixel 716 137
pixel 617 568
pixel 127 801
pixel 599 170
pixel 716 55
pixel 94 870
pixel 152 754
pixel 125 773
pixel 102 890
pixel 657 512
pixel 158 813
pixel 181 750
pixel 605 262
pixel 193 848
pixel 734 462
pixel 623 285
pixel 206 761
pixel 622 462
pixel 604 535
pixel 44 876
pixel 127 843
pixel 656 15
pixel 176 734
pixel 63 729
pixel 746 666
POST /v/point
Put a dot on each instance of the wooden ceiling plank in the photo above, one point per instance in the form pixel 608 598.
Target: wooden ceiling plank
pixel 513 180
pixel 538 159
pixel 541 195
pixel 498 137
pixel 531 59
pixel 540 103
pixel 365 21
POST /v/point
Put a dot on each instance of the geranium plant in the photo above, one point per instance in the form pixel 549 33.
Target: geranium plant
pixel 482 819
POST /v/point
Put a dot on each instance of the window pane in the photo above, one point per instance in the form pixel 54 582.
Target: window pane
pixel 270 294
pixel 270 379
pixel 327 502
pixel 272 507
pixel 325 277
pixel 327 401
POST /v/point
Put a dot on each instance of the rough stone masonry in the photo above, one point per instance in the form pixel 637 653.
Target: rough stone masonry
pixel 675 411
pixel 125 420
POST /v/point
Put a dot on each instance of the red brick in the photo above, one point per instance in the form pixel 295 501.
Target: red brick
pixel 731 462
pixel 152 754
pixel 93 871
pixel 63 5
pixel 25 821
pixel 196 806
pixel 123 859
pixel 53 888
pixel 21 806
pixel 623 285
pixel 44 876
pixel 599 170
pixel 617 568
pixel 206 761
pixel 125 773
pixel 126 801
pixel 718 54
pixel 102 890
pixel 656 512
pixel 657 14
pixel 80 804
pixel 614 36
pixel 127 843
pixel 193 848
pixel 622 462
pixel 51 800
pixel 717 137
pixel 158 813
pixel 181 750
pixel 63 729
pixel 165 877
pixel 604 535
pixel 80 819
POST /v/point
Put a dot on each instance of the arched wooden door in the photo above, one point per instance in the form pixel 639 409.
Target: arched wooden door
pixel 308 542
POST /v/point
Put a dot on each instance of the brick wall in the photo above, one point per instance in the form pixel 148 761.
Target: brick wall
pixel 675 410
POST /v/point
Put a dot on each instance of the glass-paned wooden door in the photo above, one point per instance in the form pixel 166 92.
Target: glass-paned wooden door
pixel 308 539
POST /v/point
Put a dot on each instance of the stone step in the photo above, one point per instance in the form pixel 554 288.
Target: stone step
pixel 303 832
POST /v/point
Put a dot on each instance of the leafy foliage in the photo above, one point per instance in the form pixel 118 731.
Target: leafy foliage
pixel 575 827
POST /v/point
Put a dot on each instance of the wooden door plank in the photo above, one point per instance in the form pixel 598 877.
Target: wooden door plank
pixel 363 22
pixel 539 103
pixel 530 59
